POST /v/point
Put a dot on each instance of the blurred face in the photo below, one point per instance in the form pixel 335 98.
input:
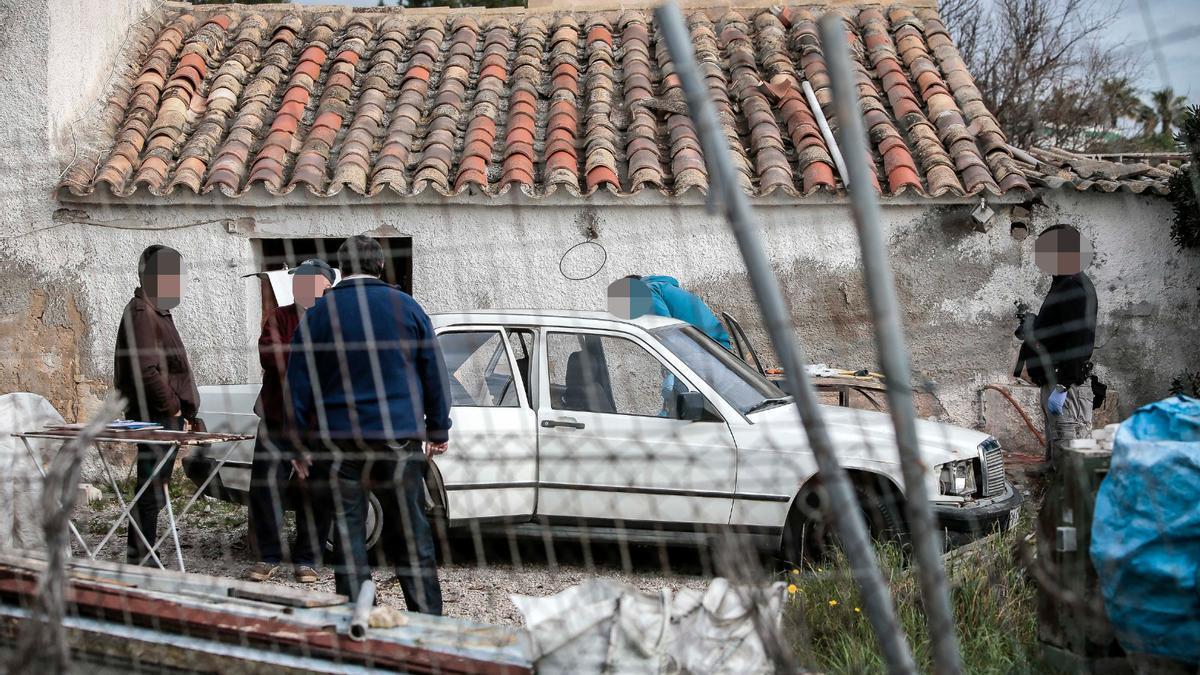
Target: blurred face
pixel 1062 251
pixel 164 284
pixel 306 288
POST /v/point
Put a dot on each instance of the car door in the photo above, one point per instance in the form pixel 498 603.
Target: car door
pixel 490 471
pixel 610 444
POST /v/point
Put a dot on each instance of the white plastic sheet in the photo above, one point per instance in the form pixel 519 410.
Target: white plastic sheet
pixel 20 480
pixel 604 626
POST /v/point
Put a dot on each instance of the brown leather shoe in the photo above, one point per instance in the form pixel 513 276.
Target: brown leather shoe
pixel 261 571
pixel 306 574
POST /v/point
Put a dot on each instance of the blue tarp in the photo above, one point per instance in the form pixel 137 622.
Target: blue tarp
pixel 1146 531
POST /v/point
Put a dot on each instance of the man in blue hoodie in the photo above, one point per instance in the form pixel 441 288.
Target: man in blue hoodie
pixel 668 299
pixel 367 377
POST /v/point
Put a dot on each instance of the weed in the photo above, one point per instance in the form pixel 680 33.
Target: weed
pixel 994 607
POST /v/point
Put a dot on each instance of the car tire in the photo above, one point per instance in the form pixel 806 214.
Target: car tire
pixel 374 526
pixel 435 511
pixel 810 535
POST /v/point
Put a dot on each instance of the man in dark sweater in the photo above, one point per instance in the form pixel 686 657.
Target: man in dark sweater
pixel 272 466
pixel 151 371
pixel 367 377
pixel 1065 329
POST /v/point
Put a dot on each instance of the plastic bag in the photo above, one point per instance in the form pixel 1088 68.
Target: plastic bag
pixel 1146 531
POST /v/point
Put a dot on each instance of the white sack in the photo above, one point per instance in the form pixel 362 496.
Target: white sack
pixel 20 480
pixel 605 626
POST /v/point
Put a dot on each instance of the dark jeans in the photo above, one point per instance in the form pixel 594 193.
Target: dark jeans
pixel 147 507
pixel 395 472
pixel 269 477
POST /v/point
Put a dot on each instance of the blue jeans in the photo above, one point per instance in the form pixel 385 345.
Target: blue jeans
pixel 395 473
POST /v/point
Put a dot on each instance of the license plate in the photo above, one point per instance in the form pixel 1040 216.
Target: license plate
pixel 1013 516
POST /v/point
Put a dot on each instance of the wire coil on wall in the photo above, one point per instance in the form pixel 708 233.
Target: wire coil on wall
pixel 603 261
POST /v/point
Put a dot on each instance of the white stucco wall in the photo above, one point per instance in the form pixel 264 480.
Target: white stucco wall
pixel 66 269
pixel 85 38
pixel 957 284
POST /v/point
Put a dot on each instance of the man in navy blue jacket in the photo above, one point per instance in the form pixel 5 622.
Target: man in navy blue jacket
pixel 366 375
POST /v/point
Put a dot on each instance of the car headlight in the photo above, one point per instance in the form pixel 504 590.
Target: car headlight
pixel 958 478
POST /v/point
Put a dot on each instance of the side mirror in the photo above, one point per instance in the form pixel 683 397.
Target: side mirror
pixel 691 406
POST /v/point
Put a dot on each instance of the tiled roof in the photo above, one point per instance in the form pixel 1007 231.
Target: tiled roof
pixel 1054 168
pixel 491 101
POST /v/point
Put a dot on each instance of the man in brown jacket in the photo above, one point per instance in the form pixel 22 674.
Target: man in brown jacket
pixel 152 373
pixel 272 466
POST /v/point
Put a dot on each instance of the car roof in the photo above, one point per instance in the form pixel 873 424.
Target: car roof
pixel 568 318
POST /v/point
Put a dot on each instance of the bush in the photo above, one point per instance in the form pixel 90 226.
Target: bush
pixel 1186 383
pixel 1185 231
pixel 995 609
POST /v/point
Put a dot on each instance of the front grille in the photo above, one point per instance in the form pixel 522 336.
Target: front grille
pixel 993 467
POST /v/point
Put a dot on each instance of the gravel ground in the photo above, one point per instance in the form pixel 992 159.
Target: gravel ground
pixel 477 577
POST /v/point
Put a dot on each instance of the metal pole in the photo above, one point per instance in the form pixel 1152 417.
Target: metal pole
pixel 889 340
pixel 877 599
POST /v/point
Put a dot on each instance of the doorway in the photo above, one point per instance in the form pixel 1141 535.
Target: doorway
pixel 275 254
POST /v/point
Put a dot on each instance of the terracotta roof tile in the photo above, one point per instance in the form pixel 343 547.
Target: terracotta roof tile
pixel 491 101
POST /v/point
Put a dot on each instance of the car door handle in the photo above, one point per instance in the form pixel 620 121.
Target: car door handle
pixel 569 423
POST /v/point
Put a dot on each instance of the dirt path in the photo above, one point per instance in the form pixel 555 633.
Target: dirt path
pixel 477 576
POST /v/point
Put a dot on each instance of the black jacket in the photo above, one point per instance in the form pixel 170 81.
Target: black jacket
pixel 1066 327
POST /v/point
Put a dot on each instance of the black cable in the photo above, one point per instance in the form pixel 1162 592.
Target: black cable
pixel 568 252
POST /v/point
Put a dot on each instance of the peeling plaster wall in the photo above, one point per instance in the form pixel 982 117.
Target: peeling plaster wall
pixel 957 283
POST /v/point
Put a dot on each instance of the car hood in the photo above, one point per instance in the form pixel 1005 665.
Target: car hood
pixel 866 433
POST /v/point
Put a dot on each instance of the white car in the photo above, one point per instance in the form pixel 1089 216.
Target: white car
pixel 645 430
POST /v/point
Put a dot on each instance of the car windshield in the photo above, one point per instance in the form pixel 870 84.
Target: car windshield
pixel 734 380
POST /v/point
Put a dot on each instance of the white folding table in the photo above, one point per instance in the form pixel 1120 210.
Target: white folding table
pixel 171 441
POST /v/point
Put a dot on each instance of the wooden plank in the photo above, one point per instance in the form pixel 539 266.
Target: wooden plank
pixel 172 581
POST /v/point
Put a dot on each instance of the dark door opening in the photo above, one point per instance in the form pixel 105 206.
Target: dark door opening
pixel 397 252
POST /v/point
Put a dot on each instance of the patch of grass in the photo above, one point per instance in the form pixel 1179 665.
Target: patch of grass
pixel 994 604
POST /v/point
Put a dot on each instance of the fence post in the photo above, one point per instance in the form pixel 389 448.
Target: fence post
pixel 889 341
pixel 877 599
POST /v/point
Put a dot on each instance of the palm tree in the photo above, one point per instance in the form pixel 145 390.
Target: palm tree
pixel 1120 99
pixel 1168 107
pixel 1146 117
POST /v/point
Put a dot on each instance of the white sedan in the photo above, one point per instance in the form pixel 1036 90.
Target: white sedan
pixel 581 424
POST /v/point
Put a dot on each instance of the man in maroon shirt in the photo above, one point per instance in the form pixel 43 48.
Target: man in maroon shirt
pixel 271 469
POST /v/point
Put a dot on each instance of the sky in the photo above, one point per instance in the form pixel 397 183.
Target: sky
pixel 1176 22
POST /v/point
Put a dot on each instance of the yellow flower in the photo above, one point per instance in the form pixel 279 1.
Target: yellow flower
pixel 857 610
pixel 796 572
pixel 833 603
pixel 792 589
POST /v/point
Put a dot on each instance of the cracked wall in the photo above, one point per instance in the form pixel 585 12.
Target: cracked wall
pixel 67 269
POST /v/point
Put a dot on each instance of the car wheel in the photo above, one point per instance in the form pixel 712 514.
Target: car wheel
pixel 374 525
pixel 810 534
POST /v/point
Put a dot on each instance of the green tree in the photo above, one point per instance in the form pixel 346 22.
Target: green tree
pixel 1169 108
pixel 1121 99
pixel 1185 185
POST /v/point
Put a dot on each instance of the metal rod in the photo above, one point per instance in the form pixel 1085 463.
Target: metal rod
pixel 166 488
pixel 195 495
pixel 889 341
pixel 361 619
pixel 127 513
pixel 843 506
pixel 823 124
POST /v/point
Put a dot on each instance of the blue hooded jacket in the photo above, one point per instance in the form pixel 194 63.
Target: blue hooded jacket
pixel 671 300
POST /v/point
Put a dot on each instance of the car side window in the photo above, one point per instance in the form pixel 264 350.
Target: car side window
pixel 480 373
pixel 520 341
pixel 606 374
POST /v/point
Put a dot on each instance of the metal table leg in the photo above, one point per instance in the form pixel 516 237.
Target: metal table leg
pixel 125 514
pixel 70 522
pixel 188 506
pixel 121 500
